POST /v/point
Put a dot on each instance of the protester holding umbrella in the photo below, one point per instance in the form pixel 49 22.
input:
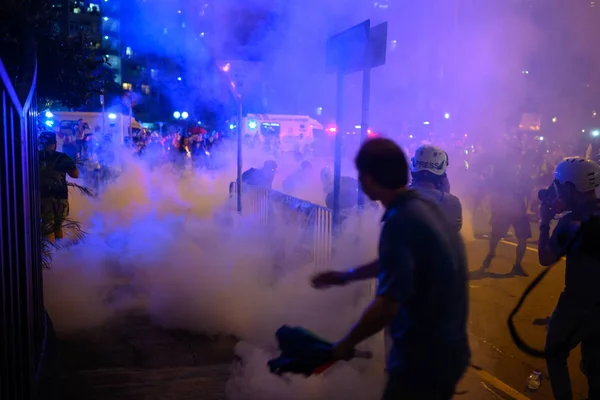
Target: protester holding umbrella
pixel 422 295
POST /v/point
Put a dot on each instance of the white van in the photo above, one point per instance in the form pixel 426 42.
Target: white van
pixel 64 123
pixel 295 132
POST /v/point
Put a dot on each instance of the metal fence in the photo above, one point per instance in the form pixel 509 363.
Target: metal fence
pixel 22 317
pixel 316 222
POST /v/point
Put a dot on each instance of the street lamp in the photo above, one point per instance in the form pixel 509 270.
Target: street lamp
pixel 184 115
pixel 176 115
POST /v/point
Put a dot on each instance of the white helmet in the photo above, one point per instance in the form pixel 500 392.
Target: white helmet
pixel 429 158
pixel 583 174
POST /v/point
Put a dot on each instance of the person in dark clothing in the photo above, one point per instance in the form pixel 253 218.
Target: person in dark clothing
pixel 69 148
pixel 200 154
pixel 263 177
pixel 298 178
pixel 348 189
pixel 54 167
pixel 576 318
pixel 428 171
pixel 510 190
pixel 422 295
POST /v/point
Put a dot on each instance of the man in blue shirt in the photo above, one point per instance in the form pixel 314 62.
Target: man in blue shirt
pixel 422 294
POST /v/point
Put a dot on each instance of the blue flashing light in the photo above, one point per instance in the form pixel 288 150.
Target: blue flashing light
pixel 49 123
pixel 184 115
pixel 48 114
pixel 112 116
pixel 176 114
pixel 252 124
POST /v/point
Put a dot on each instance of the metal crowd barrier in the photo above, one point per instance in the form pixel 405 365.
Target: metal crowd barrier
pixel 318 223
pixel 315 220
pixel 23 323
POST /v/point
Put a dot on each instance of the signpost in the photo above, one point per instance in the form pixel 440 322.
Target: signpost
pixel 359 48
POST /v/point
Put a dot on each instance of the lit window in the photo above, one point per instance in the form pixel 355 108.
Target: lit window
pixel 93 8
pixel 127 86
pixel 128 51
pixel 146 89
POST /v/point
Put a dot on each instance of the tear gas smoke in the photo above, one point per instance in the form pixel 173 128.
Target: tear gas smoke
pixel 174 248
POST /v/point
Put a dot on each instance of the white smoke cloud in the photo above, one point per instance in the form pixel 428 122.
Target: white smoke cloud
pixel 174 248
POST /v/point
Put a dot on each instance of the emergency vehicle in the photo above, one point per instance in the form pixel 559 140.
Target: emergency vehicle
pixel 292 132
pixel 65 122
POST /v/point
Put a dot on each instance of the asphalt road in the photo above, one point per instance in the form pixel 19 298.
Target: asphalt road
pixel 125 359
pixel 492 300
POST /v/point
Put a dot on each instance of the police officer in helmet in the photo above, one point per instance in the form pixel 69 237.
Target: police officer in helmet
pixel 576 318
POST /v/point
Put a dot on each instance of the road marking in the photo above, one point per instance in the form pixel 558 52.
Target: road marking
pixel 528 248
pixel 515 245
pixel 498 384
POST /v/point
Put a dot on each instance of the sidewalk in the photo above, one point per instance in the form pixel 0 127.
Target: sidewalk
pixel 132 360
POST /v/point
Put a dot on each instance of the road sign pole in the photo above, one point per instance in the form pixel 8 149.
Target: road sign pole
pixel 337 167
pixel 239 156
pixel 366 97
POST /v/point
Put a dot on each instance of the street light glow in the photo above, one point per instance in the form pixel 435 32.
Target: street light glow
pixel 595 133
pixel 176 114
pixel 184 115
pixel 447 115
pixel 426 123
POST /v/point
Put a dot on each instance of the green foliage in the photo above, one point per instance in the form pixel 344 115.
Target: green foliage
pixel 69 70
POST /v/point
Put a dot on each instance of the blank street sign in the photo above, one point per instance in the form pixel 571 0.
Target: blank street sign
pixel 346 51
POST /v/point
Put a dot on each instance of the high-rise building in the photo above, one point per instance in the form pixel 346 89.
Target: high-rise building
pixel 111 36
